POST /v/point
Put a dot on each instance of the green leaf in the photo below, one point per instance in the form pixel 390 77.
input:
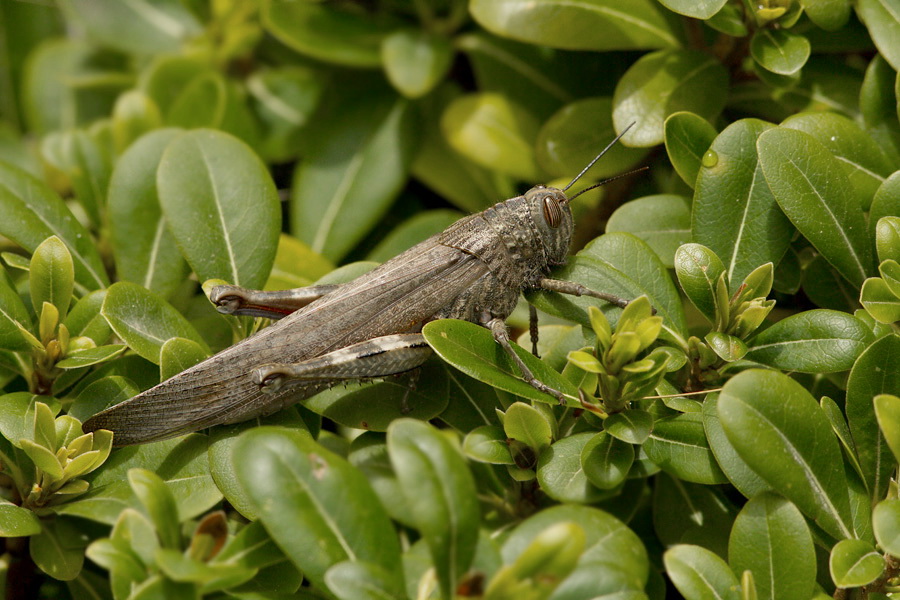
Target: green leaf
pixel 887 411
pixel 33 212
pixel 415 61
pixel 631 426
pixel 883 22
pixel 134 114
pixel 16 521
pixel 699 574
pixel 86 162
pixel 814 341
pixel 493 132
pixel 751 229
pixel 440 492
pixel 866 164
pixel 85 319
pixel 704 9
pixel 159 503
pixel 679 446
pixel 780 51
pixel 51 276
pixel 59 549
pixel 472 349
pixel 610 547
pixel 207 181
pixel 665 82
pixel 318 509
pixel 728 347
pixel 144 320
pixel 178 354
pixel 571 138
pixel 779 430
pixel 854 563
pixel 14 316
pixel 663 221
pixel 569 26
pixel 91 356
pixel 359 580
pixel 144 249
pixel 876 371
pixel 886 524
pixel 606 460
pixel 357 167
pixel 689 513
pixel 560 472
pixel 771 539
pixel 620 264
pixel 326 32
pixel 101 394
pixel 698 269
pixel 488 444
pixel 830 15
pixel 877 102
pixel 141 27
pixel 810 186
pixel 528 425
pixel 211 576
pixel 687 137
pixel 182 463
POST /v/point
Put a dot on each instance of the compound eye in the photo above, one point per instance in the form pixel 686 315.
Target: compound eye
pixel 552 212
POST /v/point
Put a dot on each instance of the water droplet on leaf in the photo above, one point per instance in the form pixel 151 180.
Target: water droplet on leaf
pixel 710 159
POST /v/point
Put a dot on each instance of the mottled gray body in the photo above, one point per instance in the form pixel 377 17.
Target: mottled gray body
pixel 475 270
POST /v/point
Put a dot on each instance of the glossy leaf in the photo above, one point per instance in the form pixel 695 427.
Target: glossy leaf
pixel 778 429
pixel 158 501
pixel 326 32
pixel 883 23
pixel 144 320
pixel 59 549
pixel 699 574
pixel 317 508
pixel 662 83
pixel 698 10
pixel 91 356
pixel 887 411
pixel 561 474
pixel 359 164
pixel 689 513
pixel 440 493
pixel 780 51
pixel 812 189
pixel 141 27
pixel 14 316
pixel 412 231
pixel 33 212
pixel 877 102
pixel 751 229
pixel 415 61
pixel 606 460
pixel 573 26
pixel 687 137
pixel 699 269
pixel 678 445
pixel 631 426
pixel 886 524
pixel 143 247
pixel 221 207
pixel 51 276
pixel 876 371
pixel 854 563
pixel 771 538
pixel 493 132
pixel 359 580
pixel 16 521
pixel 663 221
pixel 814 341
pixel 178 354
pixel 863 160
pixel 472 349
pixel 571 138
pixel 829 15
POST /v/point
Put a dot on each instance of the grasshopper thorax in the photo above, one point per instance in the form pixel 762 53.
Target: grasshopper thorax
pixel 550 213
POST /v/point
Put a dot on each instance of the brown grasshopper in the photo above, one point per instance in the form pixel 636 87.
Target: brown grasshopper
pixel 368 328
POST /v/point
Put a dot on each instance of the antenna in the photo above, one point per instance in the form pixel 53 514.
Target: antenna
pixel 596 158
pixel 605 181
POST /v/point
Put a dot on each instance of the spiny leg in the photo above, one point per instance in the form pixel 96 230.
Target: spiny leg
pixel 236 300
pixel 378 357
pixel 576 289
pixel 533 329
pixel 501 335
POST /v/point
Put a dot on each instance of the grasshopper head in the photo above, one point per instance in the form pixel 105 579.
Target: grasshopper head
pixel 551 214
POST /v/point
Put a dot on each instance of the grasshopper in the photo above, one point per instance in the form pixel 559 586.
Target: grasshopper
pixel 369 327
